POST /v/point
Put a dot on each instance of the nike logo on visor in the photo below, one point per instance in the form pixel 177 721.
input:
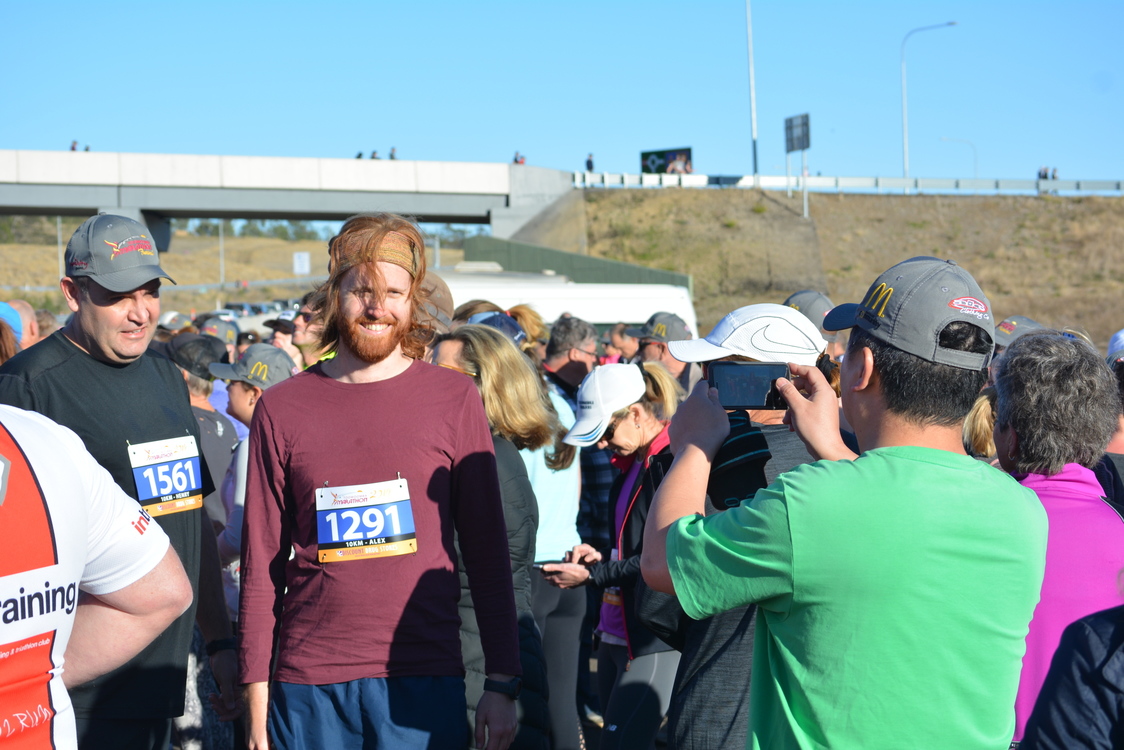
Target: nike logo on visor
pixel 761 341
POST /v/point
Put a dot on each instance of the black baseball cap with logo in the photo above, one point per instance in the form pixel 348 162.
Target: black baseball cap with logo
pixel 262 365
pixel 910 304
pixel 662 327
pixel 283 322
pixel 193 352
pixel 115 251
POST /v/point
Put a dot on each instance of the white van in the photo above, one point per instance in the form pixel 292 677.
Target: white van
pixel 603 305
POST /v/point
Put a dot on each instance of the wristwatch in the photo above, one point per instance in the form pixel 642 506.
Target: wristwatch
pixel 512 688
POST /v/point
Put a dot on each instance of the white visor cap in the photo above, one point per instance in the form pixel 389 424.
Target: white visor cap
pixel 766 332
pixel 605 391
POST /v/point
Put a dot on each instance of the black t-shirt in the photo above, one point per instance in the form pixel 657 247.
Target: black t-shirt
pixel 112 407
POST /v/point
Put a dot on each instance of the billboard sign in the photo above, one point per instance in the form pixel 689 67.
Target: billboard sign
pixel 797 134
pixel 666 161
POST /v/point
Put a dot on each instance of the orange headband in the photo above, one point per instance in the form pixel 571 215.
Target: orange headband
pixel 396 248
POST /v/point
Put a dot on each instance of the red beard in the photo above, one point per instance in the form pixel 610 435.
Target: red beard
pixel 373 349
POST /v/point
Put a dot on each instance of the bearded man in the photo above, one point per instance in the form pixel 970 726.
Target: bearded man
pixel 365 465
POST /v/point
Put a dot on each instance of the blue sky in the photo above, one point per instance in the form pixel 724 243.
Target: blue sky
pixel 1028 83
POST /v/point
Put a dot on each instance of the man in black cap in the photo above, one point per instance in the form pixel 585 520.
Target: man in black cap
pixel 283 327
pixel 131 410
pixel 654 335
pixel 894 588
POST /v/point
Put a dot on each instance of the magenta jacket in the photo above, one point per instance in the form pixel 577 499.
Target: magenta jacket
pixel 1084 553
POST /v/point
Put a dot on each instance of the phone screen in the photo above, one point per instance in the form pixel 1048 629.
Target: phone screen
pixel 747 385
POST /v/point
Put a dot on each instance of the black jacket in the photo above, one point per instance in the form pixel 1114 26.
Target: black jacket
pixel 1081 704
pixel 625 572
pixel 521 515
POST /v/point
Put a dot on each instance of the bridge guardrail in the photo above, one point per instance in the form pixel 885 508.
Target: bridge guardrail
pixel 849 184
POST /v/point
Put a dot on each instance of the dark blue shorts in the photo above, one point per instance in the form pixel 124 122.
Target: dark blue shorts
pixel 413 713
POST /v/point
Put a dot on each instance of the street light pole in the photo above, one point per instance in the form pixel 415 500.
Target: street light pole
pixel 752 92
pixel 905 109
pixel 222 262
pixel 975 157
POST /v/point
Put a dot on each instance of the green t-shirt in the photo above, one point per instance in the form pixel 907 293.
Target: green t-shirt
pixel 894 594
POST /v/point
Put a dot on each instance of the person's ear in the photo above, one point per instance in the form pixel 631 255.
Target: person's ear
pixel 255 394
pixel 1012 444
pixel 635 413
pixel 866 370
pixel 71 292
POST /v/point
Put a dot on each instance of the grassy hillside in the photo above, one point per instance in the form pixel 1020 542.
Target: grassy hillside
pixel 1057 260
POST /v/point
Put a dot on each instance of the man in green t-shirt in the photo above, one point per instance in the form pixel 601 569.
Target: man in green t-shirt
pixel 894 588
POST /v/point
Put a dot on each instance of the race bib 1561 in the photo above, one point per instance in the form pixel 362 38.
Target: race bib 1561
pixel 167 475
pixel 362 521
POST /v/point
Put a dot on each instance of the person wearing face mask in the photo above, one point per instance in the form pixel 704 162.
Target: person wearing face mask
pixel 624 408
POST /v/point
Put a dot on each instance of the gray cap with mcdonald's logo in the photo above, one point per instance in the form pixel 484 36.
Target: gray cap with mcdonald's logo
pixel 115 251
pixel 662 327
pixel 262 365
pixel 910 304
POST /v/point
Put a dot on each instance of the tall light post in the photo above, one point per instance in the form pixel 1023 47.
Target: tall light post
pixel 905 110
pixel 975 157
pixel 752 91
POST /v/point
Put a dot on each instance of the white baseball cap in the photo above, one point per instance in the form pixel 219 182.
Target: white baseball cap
pixel 605 391
pixel 767 332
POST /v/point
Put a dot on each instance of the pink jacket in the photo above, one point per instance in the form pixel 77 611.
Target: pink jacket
pixel 1084 553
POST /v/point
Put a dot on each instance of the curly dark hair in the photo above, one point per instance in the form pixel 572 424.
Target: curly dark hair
pixel 1061 399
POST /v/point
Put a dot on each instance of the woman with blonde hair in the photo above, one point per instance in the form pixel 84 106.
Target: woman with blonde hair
pixel 556 480
pixel 979 426
pixel 625 408
pixel 538 333
pixel 466 310
pixel 520 418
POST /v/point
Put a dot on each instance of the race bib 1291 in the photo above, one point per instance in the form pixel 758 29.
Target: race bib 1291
pixel 362 521
pixel 167 475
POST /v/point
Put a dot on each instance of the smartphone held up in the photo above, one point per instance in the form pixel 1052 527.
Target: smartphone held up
pixel 748 385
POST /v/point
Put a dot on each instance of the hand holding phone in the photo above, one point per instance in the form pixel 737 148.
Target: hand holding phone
pixel 747 385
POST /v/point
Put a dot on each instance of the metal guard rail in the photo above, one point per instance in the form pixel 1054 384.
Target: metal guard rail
pixel 848 184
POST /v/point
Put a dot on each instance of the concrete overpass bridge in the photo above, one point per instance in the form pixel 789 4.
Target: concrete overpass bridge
pixel 155 188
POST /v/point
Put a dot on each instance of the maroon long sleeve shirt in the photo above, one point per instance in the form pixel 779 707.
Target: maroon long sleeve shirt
pixel 371 616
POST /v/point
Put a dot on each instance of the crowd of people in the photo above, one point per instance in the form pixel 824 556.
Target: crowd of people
pixel 423 520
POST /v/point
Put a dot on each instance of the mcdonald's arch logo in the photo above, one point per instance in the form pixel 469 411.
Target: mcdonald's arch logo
pixel 260 371
pixel 660 329
pixel 878 298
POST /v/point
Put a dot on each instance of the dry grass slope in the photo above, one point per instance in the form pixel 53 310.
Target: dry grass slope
pixel 741 246
pixel 1057 260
